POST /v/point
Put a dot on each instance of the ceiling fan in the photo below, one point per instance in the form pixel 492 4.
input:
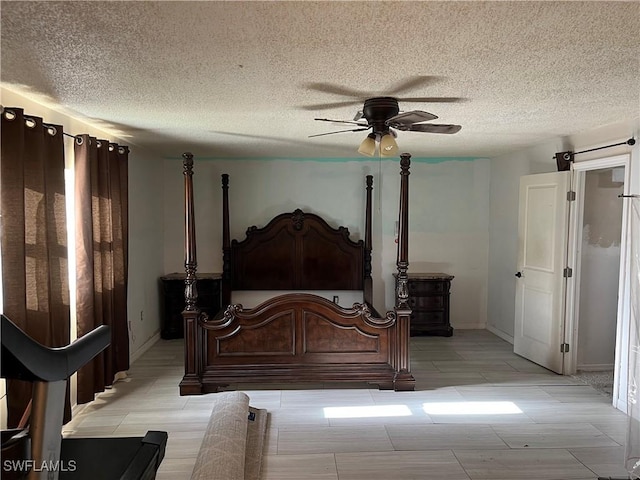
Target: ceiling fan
pixel 381 115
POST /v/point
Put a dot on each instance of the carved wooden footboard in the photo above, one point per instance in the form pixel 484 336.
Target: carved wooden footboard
pixel 299 338
pixel 296 337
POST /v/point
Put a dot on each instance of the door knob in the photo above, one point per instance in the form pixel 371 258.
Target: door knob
pixel 518 274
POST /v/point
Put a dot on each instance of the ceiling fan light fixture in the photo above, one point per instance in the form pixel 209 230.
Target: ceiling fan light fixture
pixel 368 145
pixel 388 146
pixel 381 115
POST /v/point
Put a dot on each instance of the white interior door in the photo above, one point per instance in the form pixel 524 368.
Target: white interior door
pixel 542 250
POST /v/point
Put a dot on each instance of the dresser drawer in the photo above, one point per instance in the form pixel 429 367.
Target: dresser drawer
pixel 427 320
pixel 431 302
pixel 421 287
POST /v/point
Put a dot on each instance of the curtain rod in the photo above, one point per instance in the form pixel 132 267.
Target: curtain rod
pixel 631 141
pixel 568 155
pixel 52 130
pixel 78 138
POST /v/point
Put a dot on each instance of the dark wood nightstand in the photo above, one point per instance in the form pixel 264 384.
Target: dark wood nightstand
pixel 173 300
pixel 429 302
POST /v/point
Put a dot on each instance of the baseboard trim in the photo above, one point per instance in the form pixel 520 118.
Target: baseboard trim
pixel 144 347
pixel 596 367
pixel 501 334
pixel 467 326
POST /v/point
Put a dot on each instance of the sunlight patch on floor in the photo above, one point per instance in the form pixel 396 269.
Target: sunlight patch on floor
pixel 471 408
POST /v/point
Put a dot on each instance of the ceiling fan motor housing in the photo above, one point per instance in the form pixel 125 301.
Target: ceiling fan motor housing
pixel 378 110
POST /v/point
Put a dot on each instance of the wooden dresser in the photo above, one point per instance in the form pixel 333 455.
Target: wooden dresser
pixel 429 302
pixel 173 300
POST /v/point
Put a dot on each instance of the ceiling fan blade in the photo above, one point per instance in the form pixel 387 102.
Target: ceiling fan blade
pixel 409 118
pixel 433 99
pixel 433 128
pixel 413 82
pixel 337 90
pixel 339 131
pixel 342 121
pixel 328 106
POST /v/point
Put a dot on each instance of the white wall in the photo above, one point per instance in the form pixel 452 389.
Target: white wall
pixel 503 222
pixel 448 215
pixel 449 218
pixel 505 176
pixel 146 249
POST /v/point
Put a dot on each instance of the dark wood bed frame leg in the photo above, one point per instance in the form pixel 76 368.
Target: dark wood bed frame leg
pixel 403 379
pixel 368 281
pixel 190 384
pixel 226 243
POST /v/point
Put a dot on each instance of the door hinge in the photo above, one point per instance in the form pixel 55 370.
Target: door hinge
pixel 564 348
pixel 571 196
pixel 567 272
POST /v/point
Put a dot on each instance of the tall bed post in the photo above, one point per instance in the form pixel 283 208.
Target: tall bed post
pixel 226 243
pixel 190 383
pixel 368 281
pixel 403 379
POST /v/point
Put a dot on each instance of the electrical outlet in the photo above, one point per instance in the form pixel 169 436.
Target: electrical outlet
pixel 336 299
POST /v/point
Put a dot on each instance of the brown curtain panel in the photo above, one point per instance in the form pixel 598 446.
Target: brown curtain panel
pixel 101 196
pixel 35 289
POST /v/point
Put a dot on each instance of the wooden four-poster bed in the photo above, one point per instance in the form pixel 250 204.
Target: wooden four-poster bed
pixel 296 337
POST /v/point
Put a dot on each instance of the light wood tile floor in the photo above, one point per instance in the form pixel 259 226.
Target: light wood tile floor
pixel 479 412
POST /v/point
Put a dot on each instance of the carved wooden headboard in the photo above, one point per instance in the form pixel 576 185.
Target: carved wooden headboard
pixel 297 251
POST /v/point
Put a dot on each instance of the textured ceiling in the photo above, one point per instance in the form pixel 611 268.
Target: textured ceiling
pixel 236 78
